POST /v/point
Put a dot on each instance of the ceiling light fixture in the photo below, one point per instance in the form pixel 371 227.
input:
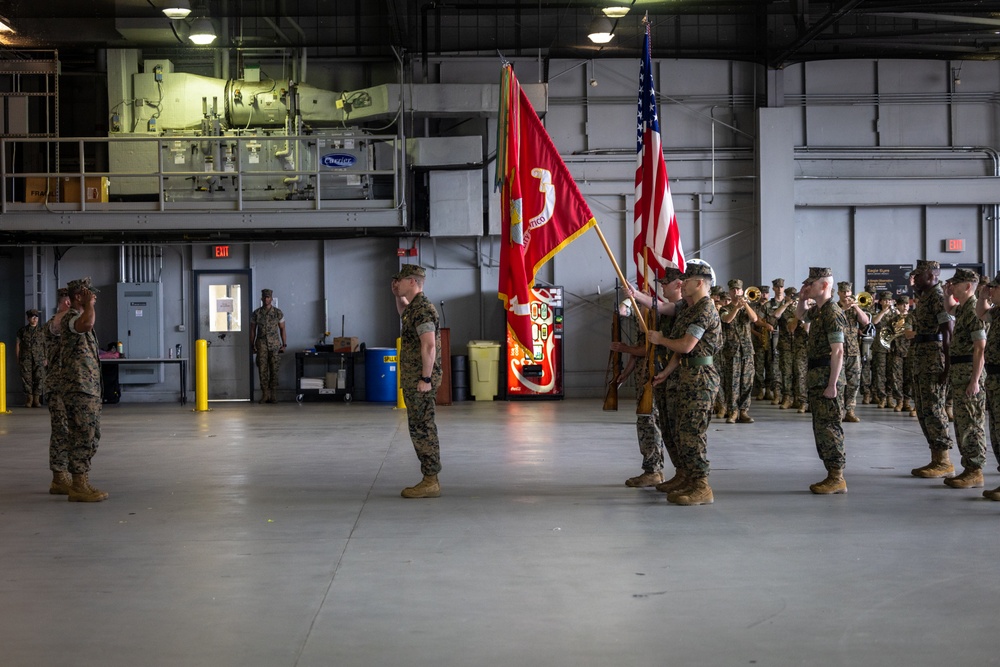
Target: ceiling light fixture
pixel 202 32
pixel 177 9
pixel 5 25
pixel 616 11
pixel 600 30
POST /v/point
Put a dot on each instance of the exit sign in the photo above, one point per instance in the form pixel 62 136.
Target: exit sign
pixel 220 251
pixel 954 245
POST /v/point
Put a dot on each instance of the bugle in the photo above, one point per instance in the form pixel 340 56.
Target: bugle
pixel 752 293
pixel 865 300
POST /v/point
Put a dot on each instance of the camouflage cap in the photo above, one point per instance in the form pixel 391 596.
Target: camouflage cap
pixel 408 270
pixel 964 276
pixel 778 283
pixel 927 265
pixel 32 312
pixel 698 270
pixel 735 283
pixel 764 289
pixel 717 290
pixel 902 298
pixel 817 272
pixel 884 295
pixel 791 291
pixel 266 293
pixel 845 286
pixel 79 284
pixel 670 274
pixel 62 293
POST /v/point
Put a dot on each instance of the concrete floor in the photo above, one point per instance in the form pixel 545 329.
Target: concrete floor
pixel 275 536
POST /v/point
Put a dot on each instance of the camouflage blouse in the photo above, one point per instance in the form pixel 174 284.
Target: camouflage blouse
pixel 32 342
pixel 702 321
pixel 419 317
pixel 851 343
pixel 264 321
pixel 81 365
pixel 827 325
pixel 993 336
pixel 930 312
pixel 52 355
pixel 968 329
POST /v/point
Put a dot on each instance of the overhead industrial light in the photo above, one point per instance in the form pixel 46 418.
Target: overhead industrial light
pixel 202 32
pixel 5 25
pixel 616 11
pixel 600 30
pixel 177 9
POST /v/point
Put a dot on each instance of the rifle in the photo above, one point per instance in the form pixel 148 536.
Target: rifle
pixel 645 404
pixel 614 361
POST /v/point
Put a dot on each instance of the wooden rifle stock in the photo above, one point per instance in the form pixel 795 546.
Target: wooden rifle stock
pixel 614 365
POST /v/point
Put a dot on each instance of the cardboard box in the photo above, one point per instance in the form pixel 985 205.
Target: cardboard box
pixel 96 186
pixel 35 189
pixel 348 344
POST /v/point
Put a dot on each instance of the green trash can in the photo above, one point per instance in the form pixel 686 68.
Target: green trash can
pixel 484 362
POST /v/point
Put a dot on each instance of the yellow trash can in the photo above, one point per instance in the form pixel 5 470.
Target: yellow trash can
pixel 484 361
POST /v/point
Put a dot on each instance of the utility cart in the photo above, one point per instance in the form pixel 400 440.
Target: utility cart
pixel 335 370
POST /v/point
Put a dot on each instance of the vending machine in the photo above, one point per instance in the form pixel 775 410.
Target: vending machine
pixel 539 374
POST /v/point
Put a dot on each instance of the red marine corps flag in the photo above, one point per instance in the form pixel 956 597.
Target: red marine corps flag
pixel 541 208
pixel 657 242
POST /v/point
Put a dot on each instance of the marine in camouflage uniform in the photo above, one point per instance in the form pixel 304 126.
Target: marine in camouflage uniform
pixel 419 374
pixel 267 341
pixel 59 438
pixel 968 343
pixel 856 319
pixel 30 350
pixel 724 360
pixel 880 355
pixel 800 362
pixel 774 310
pixel 899 386
pixel 695 339
pixel 866 360
pixel 786 359
pixel 988 308
pixel 81 388
pixel 741 316
pixel 827 330
pixel 929 349
pixel 760 336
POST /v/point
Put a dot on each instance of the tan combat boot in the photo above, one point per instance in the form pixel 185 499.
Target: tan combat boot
pixel 866 399
pixel 82 492
pixel 720 411
pixel 849 416
pixel 913 412
pixel 992 494
pixel 645 479
pixel 29 401
pixel 37 400
pixel 834 483
pixel 761 395
pixel 940 466
pixel 697 493
pixel 880 403
pixel 678 481
pixel 263 395
pixel 272 395
pixel 61 483
pixel 731 417
pixel 744 417
pixel 970 478
pixel 786 404
pixel 428 487
pixel 777 400
pixel 803 407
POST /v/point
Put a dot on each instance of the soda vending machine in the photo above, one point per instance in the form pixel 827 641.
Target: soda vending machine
pixel 539 374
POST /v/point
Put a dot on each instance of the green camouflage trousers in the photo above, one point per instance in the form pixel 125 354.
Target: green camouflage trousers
pixel 783 376
pixel 647 428
pixel 827 414
pixel 800 367
pixel 970 417
pixel 267 366
pixel 423 430
pixel 898 386
pixel 59 440
pixel 879 358
pixel 696 393
pixel 993 400
pixel 930 400
pixel 32 375
pixel 83 415
pixel 852 381
pixel 741 380
pixel 764 364
pixel 665 397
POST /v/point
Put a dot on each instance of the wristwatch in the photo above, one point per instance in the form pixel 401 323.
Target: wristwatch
pixel 425 379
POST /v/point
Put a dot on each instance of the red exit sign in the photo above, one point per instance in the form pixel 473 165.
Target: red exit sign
pixel 954 245
pixel 220 251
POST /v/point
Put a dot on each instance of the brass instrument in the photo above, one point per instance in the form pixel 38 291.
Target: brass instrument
pixel 865 300
pixel 887 334
pixel 752 293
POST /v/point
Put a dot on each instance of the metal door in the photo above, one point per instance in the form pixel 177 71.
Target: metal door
pixel 223 307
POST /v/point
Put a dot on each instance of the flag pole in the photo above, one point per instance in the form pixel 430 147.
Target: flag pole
pixel 621 276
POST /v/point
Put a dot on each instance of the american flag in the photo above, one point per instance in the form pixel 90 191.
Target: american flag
pixel 657 240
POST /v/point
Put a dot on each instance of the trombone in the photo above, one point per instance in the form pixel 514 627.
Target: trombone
pixel 752 293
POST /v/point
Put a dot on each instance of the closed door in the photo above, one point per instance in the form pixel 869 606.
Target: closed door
pixel 224 322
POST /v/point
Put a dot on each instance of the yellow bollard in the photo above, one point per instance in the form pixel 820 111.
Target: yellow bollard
pixel 201 375
pixel 400 403
pixel 3 378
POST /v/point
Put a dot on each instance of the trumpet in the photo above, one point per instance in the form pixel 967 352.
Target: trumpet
pixel 752 293
pixel 865 300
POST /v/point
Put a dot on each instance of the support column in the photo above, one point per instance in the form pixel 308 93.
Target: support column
pixel 776 195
